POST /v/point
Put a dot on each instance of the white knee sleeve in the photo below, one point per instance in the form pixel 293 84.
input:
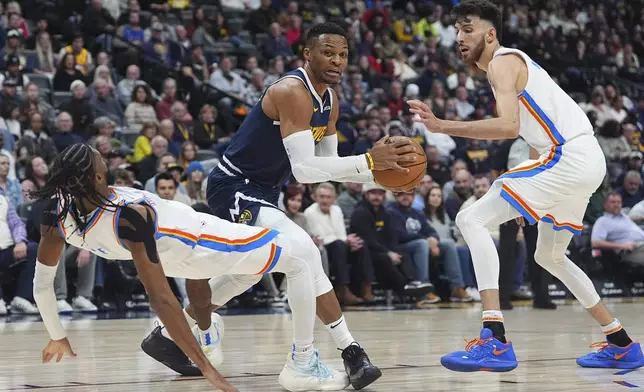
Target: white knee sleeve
pixel 225 288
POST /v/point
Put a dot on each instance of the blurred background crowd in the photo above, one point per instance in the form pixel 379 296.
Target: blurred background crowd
pixel 158 87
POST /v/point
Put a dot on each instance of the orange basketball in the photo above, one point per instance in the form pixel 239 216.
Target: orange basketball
pixel 403 182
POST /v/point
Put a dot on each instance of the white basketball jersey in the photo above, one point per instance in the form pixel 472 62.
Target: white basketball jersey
pixel 179 230
pixel 548 115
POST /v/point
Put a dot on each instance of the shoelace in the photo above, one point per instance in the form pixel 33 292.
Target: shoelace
pixel 320 369
pixel 600 346
pixel 476 342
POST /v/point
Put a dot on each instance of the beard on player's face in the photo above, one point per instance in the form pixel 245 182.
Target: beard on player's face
pixel 473 54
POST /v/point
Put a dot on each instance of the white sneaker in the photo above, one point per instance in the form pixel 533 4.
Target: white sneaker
pixel 20 305
pixel 210 341
pixel 3 308
pixel 64 306
pixel 317 377
pixel 82 304
pixel 474 293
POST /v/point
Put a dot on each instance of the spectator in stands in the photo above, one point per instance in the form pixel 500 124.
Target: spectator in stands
pixel 102 72
pixel 421 192
pixel 617 232
pixel 80 109
pixel 259 20
pixel 142 146
pixel 104 103
pixel 195 178
pixel 436 166
pixel 35 141
pixel 98 22
pixel 275 70
pixel 65 136
pixel 14 71
pixel 123 177
pixel 140 110
pixel 132 32
pixel 83 61
pixel 326 221
pixel 13 47
pixel 207 134
pixel 371 222
pixel 43 62
pixel 10 187
pixel 106 127
pixel 67 73
pixel 631 191
pixel 226 80
pixel 348 199
pixel 276 44
pixel 157 49
pixel 18 258
pixel 188 154
pixel 462 191
pixel 10 119
pixel 182 121
pixel 126 86
pixel 40 105
pixel 169 97
pixel 5 149
pixel 36 171
pixel 16 22
pixel 614 145
pixel 195 69
pixel 418 239
pixel 10 92
pixel 477 154
pixel 148 166
pixel 166 130
pixel 86 265
pixel 165 186
pixel 256 87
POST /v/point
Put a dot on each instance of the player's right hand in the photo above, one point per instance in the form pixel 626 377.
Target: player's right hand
pixel 58 349
pixel 390 153
pixel 218 381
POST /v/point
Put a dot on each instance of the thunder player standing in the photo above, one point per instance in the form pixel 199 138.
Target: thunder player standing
pixel 292 131
pixel 552 190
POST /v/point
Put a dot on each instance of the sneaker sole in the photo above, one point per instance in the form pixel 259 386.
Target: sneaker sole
pixel 498 367
pixel 368 376
pixel 149 348
pixel 613 365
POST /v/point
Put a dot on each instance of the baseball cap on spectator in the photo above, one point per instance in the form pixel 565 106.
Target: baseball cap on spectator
pixel 372 187
pixel 13 59
pixel 10 82
pixel 14 34
pixel 174 166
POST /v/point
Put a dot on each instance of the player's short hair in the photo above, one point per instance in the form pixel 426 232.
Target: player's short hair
pixel 484 9
pixel 324 28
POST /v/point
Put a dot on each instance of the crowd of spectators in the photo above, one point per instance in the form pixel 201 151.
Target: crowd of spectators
pixel 158 87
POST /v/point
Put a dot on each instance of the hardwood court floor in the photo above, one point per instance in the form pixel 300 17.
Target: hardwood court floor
pixel 406 345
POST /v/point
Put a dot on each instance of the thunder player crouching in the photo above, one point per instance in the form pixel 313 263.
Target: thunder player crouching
pixel 291 131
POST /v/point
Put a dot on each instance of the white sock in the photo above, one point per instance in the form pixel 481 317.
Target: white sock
pixel 208 336
pixel 302 354
pixel 339 331
pixel 493 315
pixel 612 327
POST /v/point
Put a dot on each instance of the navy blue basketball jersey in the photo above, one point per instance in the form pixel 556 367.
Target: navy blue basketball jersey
pixel 256 151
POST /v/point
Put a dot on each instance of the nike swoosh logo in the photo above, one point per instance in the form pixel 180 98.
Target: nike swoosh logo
pixel 620 356
pixel 499 352
pixel 333 326
pixel 316 109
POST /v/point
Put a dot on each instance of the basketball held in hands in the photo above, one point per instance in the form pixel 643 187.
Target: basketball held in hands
pixel 396 181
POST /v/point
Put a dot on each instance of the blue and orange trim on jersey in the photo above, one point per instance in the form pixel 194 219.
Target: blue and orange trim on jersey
pixel 220 244
pixel 273 258
pixel 93 220
pixel 531 170
pixel 117 215
pixel 532 217
pixel 542 118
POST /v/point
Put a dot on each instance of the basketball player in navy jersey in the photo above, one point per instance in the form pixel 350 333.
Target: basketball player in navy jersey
pixel 292 131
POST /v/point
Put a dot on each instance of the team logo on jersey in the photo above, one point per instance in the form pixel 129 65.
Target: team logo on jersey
pixel 318 133
pixel 245 217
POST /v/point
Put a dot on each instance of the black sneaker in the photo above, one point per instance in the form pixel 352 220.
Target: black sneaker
pixel 358 366
pixel 417 289
pixel 168 353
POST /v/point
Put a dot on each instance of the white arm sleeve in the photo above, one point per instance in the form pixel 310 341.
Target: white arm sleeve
pixel 46 300
pixel 309 168
pixel 328 147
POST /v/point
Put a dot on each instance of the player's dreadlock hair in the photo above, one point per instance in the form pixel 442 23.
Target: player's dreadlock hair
pixel 70 179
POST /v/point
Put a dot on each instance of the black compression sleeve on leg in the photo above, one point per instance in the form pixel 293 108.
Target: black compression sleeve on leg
pixel 134 227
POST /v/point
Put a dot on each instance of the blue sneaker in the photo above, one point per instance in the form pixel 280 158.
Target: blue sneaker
pixel 614 357
pixel 485 354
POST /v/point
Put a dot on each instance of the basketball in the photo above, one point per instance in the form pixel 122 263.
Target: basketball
pixel 402 182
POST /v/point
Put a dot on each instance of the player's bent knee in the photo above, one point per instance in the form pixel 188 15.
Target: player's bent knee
pixel 245 280
pixel 463 219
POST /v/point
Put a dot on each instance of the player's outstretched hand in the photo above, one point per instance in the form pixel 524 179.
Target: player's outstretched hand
pixel 218 381
pixel 389 153
pixel 520 221
pixel 58 349
pixel 424 115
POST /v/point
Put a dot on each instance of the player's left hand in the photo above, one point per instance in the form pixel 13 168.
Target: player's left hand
pixel 57 348
pixel 425 115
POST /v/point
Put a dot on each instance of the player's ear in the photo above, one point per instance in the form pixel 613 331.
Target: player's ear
pixel 306 52
pixel 491 35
